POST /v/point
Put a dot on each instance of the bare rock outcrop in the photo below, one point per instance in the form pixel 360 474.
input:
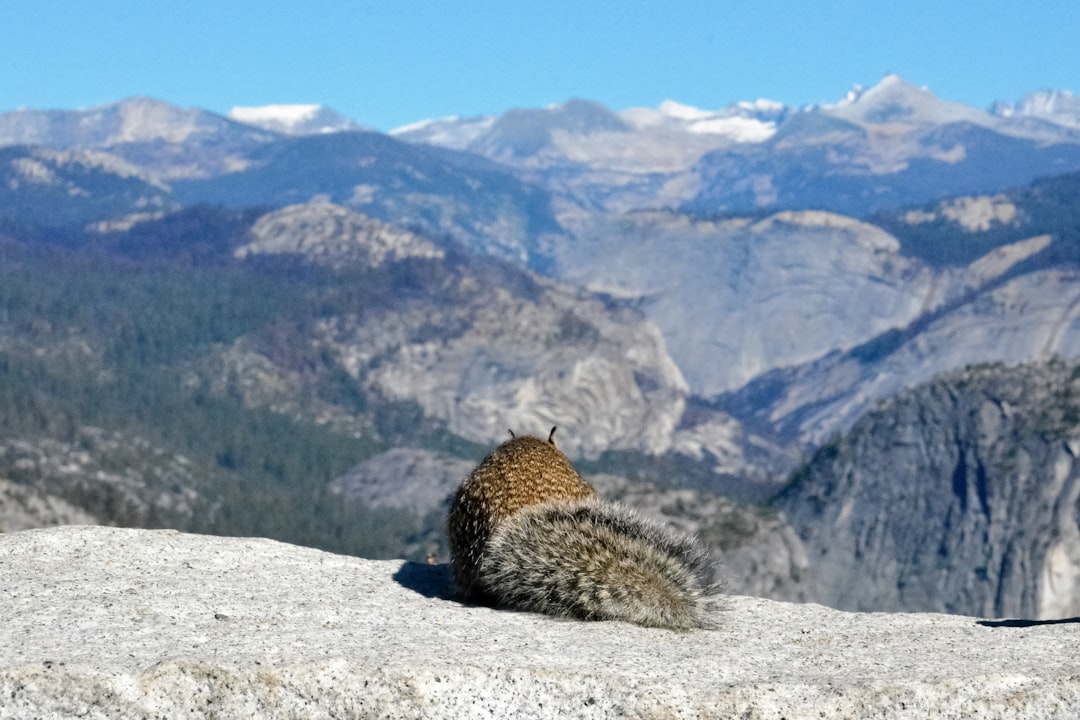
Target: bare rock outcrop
pixel 105 622
pixel 961 496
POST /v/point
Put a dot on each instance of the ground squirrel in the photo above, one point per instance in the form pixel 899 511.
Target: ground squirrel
pixel 527 532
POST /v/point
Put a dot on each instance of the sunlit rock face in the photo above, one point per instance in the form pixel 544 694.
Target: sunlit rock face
pixel 144 624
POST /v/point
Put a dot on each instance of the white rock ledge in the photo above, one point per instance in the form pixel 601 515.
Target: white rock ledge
pixel 102 622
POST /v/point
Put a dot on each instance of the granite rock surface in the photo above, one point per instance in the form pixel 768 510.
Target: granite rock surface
pixel 104 622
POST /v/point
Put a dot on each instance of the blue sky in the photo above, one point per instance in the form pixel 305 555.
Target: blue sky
pixel 387 63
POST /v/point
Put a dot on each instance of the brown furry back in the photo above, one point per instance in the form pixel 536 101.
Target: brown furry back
pixel 521 472
pixel 527 532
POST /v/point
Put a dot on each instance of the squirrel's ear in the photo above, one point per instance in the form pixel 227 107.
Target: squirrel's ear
pixel 551 436
pixel 512 435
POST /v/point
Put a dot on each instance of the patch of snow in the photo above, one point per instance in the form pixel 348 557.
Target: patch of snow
pixel 761 105
pixel 739 129
pixel 453 132
pixel 742 122
pixel 290 114
pixel 294 119
pixel 422 125
pixel 1057 106
pixel 672 109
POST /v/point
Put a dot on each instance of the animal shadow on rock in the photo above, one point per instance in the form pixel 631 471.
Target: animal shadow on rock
pixel 431 581
pixel 1026 623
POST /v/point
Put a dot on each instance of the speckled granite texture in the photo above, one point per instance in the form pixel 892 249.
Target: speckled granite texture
pixel 109 623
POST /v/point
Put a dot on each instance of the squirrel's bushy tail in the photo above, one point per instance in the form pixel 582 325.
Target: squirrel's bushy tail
pixel 596 560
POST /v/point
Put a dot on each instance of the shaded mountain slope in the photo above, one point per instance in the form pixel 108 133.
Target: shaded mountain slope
pixel 960 496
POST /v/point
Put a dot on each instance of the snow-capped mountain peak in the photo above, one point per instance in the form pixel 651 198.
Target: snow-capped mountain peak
pixel 295 119
pixel 892 85
pixel 894 100
pixel 1057 106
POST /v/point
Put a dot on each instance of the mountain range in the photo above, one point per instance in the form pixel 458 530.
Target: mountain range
pixel 889 145
pixel 701 299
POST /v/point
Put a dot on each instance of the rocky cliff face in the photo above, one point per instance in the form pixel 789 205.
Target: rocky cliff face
pixel 102 478
pixel 483 347
pixel 1030 317
pixel 987 279
pixel 802 321
pixel 960 496
pixel 736 298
